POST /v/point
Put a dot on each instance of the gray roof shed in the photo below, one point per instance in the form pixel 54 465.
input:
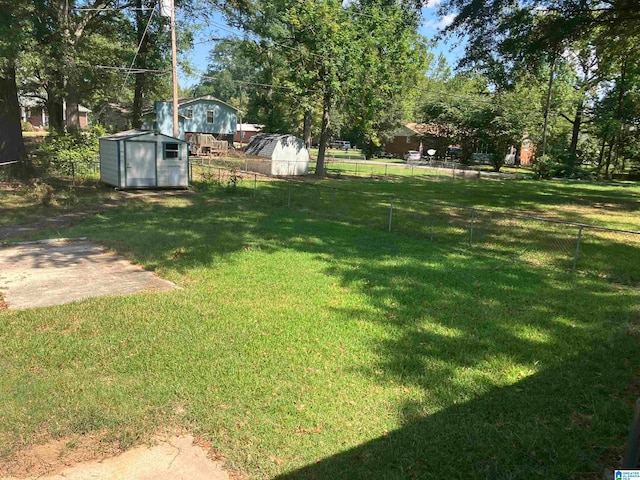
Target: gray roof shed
pixel 282 154
pixel 142 159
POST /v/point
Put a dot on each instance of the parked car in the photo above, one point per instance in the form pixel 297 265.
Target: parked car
pixel 412 156
pixel 341 144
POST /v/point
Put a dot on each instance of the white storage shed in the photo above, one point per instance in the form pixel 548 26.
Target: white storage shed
pixel 142 159
pixel 282 155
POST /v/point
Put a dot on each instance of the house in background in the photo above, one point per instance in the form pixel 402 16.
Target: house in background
pixel 114 117
pixel 527 150
pixel 204 114
pixel 34 112
pixel 246 131
pixel 420 137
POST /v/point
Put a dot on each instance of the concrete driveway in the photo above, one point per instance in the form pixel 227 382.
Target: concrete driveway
pixel 54 272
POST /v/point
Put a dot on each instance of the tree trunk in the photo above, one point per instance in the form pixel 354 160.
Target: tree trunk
pixel 307 128
pixel 72 119
pixel 547 108
pixel 575 133
pixel 11 141
pixel 601 157
pixel 324 133
pixel 607 167
pixel 55 106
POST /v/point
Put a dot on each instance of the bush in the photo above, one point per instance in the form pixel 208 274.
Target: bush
pixel 26 127
pixel 546 167
pixel 65 154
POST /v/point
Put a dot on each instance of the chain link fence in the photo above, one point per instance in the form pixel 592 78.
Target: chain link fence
pixel 608 253
pixel 6 170
pixel 339 167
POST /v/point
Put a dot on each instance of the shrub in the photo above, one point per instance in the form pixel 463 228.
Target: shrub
pixel 546 167
pixel 26 127
pixel 69 153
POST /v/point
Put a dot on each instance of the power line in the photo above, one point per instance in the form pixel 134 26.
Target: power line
pixel 133 9
pixel 132 69
pixel 245 82
pixel 138 49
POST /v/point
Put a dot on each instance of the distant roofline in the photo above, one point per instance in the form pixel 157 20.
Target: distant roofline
pixel 186 101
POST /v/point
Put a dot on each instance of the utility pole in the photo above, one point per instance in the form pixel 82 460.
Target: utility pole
pixel 174 70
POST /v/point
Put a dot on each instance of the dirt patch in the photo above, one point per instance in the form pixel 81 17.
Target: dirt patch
pixel 53 456
pixel 60 271
pixel 90 457
pixel 102 202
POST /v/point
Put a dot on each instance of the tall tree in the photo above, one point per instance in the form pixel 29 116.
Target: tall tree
pixel 14 26
pixel 330 55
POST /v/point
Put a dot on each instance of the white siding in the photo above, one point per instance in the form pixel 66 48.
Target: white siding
pixel 109 162
pixel 168 173
pixel 172 172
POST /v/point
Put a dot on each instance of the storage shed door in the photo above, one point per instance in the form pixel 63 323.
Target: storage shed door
pixel 140 161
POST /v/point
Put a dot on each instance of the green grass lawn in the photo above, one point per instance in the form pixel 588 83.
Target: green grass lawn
pixel 305 347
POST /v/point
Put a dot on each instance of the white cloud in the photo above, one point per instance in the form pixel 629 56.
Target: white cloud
pixel 441 23
pixel 446 21
pixel 433 3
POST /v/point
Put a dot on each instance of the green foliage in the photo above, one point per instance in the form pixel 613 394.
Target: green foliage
pixel 70 153
pixel 544 167
pixel 26 126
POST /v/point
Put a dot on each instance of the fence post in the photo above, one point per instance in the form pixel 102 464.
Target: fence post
pixel 255 185
pixel 246 166
pixel 385 171
pixel 575 254
pixel 473 219
pixel 289 196
pixel 631 457
pixel 412 170
pixel 390 212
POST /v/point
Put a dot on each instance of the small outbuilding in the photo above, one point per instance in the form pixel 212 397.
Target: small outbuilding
pixel 281 155
pixel 141 159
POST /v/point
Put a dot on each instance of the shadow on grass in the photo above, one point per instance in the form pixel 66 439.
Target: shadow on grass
pixel 549 426
pixel 461 330
pixel 524 373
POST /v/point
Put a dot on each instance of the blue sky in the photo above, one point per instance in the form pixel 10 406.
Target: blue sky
pixel 432 23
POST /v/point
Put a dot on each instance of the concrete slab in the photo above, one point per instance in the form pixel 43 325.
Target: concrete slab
pixel 57 272
pixel 176 458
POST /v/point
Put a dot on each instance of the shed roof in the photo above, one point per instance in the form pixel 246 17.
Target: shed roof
pixel 250 127
pixel 264 144
pixel 136 133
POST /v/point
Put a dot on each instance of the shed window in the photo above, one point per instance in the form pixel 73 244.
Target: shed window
pixel 171 150
pixel 189 113
pixel 211 114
